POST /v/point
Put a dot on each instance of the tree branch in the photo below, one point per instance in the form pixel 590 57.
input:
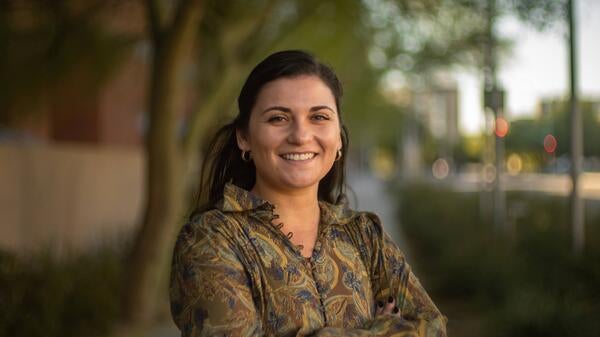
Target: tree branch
pixel 187 15
pixel 156 21
pixel 205 113
pixel 287 31
pixel 173 43
pixel 243 30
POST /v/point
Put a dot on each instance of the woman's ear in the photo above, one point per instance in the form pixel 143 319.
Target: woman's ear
pixel 241 140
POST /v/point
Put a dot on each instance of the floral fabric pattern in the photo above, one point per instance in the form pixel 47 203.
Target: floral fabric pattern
pixel 236 274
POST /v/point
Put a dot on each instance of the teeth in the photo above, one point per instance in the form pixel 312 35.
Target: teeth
pixel 298 156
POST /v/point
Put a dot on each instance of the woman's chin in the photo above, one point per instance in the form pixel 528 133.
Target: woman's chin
pixel 301 183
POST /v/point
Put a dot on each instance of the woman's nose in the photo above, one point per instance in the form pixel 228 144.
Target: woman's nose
pixel 300 133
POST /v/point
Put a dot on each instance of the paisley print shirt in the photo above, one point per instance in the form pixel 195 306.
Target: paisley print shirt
pixel 236 274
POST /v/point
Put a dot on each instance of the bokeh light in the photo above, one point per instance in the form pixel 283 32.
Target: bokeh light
pixel 382 163
pixel 514 164
pixel 550 143
pixel 440 168
pixel 489 173
pixel 501 127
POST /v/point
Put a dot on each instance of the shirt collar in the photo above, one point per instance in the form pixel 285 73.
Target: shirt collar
pixel 237 199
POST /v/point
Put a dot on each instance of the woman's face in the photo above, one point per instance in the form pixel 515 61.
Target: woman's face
pixel 293 133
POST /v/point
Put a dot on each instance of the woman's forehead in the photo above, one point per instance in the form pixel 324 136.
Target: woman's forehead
pixel 299 92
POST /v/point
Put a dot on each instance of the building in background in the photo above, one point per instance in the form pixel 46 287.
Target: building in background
pixel 104 106
pixel 72 172
pixel 434 115
pixel 549 105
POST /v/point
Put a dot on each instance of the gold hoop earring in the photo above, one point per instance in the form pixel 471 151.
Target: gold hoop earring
pixel 244 158
pixel 338 155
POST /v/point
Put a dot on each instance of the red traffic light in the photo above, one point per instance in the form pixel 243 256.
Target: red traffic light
pixel 501 127
pixel 550 143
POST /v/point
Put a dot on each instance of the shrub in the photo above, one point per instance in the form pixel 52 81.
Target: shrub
pixel 43 295
pixel 523 283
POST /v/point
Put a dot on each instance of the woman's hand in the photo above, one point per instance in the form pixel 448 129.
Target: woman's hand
pixel 388 308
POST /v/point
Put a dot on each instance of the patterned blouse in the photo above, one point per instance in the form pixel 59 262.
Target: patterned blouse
pixel 234 273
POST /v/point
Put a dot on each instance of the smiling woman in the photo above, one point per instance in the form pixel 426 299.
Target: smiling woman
pixel 293 135
pixel 274 250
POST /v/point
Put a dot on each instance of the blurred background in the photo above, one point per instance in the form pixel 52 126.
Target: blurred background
pixel 474 134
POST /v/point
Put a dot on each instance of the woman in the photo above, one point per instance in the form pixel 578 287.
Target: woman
pixel 276 251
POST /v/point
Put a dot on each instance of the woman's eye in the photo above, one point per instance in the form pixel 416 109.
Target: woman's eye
pixel 321 117
pixel 277 119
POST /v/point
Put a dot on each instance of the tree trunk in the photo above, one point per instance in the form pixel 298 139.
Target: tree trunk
pixel 164 200
pixel 165 171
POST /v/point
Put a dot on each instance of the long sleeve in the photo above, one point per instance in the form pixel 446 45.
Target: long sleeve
pixel 211 296
pixel 232 278
pixel 209 288
pixel 392 276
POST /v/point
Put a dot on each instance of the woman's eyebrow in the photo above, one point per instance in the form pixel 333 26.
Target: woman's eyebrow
pixel 288 110
pixel 277 108
pixel 321 107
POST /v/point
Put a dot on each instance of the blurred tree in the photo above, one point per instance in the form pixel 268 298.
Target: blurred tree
pixel 172 29
pixel 558 120
pixel 527 135
pixel 41 51
pixel 468 150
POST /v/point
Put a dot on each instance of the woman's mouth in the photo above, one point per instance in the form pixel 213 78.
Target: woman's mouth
pixel 298 156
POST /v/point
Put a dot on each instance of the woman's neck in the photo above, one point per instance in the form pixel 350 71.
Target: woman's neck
pixel 298 204
pixel 298 211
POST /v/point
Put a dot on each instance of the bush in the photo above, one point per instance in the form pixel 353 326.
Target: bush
pixel 46 296
pixel 523 283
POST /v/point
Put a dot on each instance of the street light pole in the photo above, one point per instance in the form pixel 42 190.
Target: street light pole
pixel 494 100
pixel 577 203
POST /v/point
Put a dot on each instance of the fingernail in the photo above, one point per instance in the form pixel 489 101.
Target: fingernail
pixel 396 310
pixel 390 299
pixel 380 304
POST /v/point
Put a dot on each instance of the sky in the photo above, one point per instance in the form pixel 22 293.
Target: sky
pixel 537 68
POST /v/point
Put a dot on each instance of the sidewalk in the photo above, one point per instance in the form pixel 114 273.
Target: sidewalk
pixel 372 196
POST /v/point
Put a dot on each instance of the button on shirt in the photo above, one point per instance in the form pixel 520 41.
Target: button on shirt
pixel 236 274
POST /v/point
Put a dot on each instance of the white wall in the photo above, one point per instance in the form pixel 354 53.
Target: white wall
pixel 67 197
